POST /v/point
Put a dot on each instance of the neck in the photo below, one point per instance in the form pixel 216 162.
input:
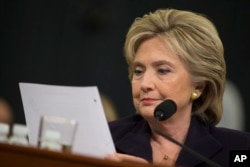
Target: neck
pixel 177 129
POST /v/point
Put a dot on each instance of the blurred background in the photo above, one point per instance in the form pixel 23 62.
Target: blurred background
pixel 80 43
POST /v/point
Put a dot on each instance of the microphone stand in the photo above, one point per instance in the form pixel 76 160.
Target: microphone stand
pixel 191 151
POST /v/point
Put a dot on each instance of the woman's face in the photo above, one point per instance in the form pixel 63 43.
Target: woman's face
pixel 158 74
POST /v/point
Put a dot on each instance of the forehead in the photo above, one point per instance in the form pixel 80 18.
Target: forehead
pixel 155 49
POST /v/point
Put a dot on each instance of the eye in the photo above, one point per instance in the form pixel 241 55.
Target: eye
pixel 138 71
pixel 163 71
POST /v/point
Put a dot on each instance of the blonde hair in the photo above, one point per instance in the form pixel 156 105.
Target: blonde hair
pixel 194 38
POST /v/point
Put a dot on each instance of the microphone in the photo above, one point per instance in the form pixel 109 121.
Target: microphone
pixel 164 111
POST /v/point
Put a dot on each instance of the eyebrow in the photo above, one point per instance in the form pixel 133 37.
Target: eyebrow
pixel 161 62
pixel 155 63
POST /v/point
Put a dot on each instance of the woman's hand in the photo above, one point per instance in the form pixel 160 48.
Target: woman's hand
pixel 125 158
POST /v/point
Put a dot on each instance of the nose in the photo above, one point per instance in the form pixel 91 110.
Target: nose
pixel 147 82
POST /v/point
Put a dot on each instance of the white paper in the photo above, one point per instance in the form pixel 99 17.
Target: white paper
pixel 82 104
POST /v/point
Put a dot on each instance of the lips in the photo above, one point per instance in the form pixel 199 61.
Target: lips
pixel 147 101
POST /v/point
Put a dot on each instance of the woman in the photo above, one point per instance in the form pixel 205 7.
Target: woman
pixel 177 55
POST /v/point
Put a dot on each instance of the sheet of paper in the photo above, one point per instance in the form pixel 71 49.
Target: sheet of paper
pixel 82 104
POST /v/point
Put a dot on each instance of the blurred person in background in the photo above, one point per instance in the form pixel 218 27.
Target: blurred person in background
pixel 108 107
pixel 6 112
pixel 233 108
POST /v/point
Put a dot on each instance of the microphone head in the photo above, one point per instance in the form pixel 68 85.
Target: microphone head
pixel 165 110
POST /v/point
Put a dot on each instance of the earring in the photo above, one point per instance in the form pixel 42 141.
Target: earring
pixel 194 96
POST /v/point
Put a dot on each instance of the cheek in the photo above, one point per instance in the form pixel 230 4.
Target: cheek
pixel 135 89
pixel 136 95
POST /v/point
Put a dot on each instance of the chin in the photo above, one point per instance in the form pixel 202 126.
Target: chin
pixel 146 114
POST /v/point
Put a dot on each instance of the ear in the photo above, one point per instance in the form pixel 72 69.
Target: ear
pixel 199 87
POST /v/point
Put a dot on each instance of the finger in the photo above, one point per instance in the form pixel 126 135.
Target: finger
pixel 129 158
pixel 113 157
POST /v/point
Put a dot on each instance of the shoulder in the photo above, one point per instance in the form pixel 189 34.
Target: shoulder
pixel 126 122
pixel 125 125
pixel 131 135
pixel 233 139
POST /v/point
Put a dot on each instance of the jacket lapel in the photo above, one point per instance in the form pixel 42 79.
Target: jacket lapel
pixel 136 142
pixel 199 140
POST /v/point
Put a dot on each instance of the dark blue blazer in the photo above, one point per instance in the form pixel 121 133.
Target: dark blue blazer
pixel 131 135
